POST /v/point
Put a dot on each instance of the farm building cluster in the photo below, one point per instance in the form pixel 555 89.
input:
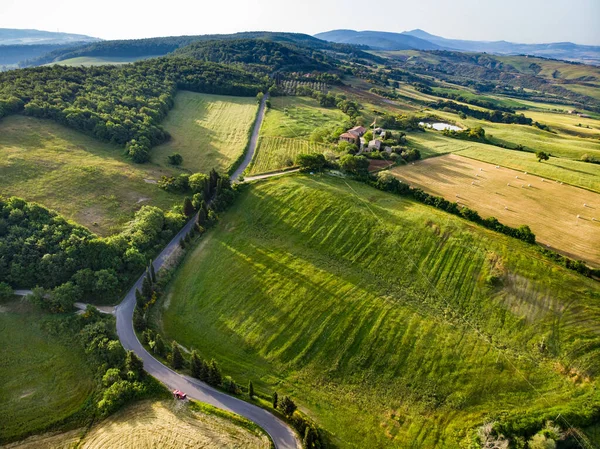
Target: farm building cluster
pixel 355 136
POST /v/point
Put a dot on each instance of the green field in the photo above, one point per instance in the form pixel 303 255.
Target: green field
pixel 85 180
pixel 286 130
pixel 298 117
pixel 581 174
pixel 276 153
pixel 43 379
pixel 374 312
pixel 209 131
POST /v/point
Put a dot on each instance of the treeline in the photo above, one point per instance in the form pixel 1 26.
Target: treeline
pixel 119 104
pixel 329 100
pixel 476 134
pixel 257 52
pixel 494 115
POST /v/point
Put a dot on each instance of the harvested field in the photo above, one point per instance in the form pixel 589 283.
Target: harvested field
pixel 555 212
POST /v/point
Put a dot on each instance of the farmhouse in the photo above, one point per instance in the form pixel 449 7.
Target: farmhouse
pixel 374 144
pixel 358 131
pixel 349 137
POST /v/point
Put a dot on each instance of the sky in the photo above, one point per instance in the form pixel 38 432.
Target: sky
pixel 524 21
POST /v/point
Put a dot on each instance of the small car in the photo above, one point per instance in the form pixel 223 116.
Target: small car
pixel 179 394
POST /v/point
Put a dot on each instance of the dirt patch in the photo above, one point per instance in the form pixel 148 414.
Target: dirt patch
pixel 150 181
pixel 141 200
pixel 375 164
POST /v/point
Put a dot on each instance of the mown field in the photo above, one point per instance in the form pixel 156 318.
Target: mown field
pixel 88 181
pixel 276 153
pixel 209 131
pixel 165 424
pixel 377 314
pixel 580 174
pixel 286 132
pixel 549 208
pixel 43 379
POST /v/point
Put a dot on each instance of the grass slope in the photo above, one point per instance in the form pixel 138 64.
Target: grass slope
pixel 209 131
pixel 354 301
pixel 88 61
pixel 165 424
pixel 549 208
pixel 85 180
pixel 42 380
pixel 286 131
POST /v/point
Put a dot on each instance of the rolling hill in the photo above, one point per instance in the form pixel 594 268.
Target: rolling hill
pixel 11 36
pixel 421 40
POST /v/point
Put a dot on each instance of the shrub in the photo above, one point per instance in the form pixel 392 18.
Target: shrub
pixel 287 406
pixel 175 159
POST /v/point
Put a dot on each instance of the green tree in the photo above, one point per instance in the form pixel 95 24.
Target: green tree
pixel 159 345
pixel 355 165
pixel 147 288
pixel 177 357
pixel 250 390
pixel 6 292
pixel 259 97
pixel 111 376
pixel 134 365
pixel 175 159
pixel 196 365
pixel 139 321
pixel 214 373
pixel 197 182
pixel 188 207
pixel 313 162
pixel 152 272
pixel 542 156
pixel 287 406
pixel 275 399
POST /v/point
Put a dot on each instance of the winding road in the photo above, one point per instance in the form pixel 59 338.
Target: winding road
pixel 281 434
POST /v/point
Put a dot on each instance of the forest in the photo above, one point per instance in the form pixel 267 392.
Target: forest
pixel 266 54
pixel 119 104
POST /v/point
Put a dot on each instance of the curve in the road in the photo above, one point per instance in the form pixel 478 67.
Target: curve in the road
pixel 282 435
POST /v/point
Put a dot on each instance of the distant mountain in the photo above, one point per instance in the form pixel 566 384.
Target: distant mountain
pixel 9 36
pixel 421 40
pixel 378 40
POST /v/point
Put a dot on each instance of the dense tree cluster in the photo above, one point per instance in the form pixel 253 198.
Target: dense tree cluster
pixel 493 115
pixel 268 54
pixel 476 134
pixel 40 248
pixel 119 104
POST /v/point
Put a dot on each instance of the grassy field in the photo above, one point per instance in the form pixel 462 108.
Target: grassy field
pixel 166 424
pixel 581 174
pixel 549 208
pixel 85 180
pixel 286 131
pixel 276 153
pixel 298 117
pixel 374 312
pixel 209 131
pixel 43 380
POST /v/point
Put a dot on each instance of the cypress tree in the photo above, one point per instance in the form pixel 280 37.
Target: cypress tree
pixel 182 243
pixel 147 288
pixel 134 364
pixel 139 322
pixel 188 208
pixel 159 345
pixel 152 272
pixel 177 358
pixel 307 441
pixel 275 398
pixel 140 301
pixel 196 365
pixel 202 217
pixel 214 374
pixel 250 390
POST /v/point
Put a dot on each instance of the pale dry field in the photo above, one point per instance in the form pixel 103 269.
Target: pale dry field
pixel 145 425
pixel 548 207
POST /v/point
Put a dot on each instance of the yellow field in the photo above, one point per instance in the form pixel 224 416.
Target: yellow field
pixel 549 208
pixel 209 131
pixel 166 424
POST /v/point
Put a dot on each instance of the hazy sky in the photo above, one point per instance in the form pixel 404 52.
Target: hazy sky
pixel 527 21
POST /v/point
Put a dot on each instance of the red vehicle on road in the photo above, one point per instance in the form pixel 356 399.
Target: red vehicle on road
pixel 179 394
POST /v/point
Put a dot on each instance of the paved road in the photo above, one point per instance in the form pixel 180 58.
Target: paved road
pixel 283 436
pixel 253 140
